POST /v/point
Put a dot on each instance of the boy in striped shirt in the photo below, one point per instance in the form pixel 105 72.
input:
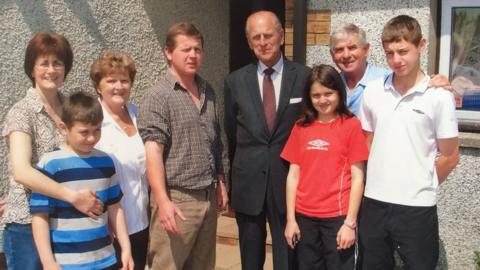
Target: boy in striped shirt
pixel 66 238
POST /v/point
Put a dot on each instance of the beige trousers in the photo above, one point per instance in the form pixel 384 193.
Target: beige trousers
pixel 194 247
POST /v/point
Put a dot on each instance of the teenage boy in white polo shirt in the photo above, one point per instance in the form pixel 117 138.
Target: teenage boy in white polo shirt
pixel 412 132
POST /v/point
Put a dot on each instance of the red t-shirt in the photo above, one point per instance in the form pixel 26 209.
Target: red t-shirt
pixel 325 153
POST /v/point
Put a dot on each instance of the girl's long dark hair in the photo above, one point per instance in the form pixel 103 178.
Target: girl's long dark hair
pixel 327 76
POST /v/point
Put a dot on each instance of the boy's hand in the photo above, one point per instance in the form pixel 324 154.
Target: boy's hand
pixel 87 202
pixel 127 261
pixel 167 211
pixel 345 237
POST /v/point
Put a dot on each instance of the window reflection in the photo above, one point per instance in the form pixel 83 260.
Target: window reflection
pixel 465 57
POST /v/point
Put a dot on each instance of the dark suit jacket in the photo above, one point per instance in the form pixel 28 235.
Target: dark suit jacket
pixel 254 152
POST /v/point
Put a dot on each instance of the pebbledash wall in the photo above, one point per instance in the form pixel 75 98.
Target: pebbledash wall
pixel 459 197
pixel 136 27
pixel 370 16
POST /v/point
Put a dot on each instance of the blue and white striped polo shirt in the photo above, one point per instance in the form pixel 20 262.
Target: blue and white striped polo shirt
pixel 79 242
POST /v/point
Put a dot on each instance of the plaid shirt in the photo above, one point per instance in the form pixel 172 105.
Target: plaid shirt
pixel 193 149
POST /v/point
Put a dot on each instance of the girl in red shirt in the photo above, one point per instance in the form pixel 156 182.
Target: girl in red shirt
pixel 327 153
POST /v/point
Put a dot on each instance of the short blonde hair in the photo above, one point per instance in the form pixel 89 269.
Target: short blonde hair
pixel 109 62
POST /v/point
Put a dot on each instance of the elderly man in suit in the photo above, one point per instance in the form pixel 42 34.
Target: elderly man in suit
pixel 262 103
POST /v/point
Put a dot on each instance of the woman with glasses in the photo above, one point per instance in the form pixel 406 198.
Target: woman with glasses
pixel 31 129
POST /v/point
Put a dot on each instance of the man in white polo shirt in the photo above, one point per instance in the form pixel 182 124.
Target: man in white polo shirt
pixel 413 136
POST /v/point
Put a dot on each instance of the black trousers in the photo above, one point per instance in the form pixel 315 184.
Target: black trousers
pixel 139 246
pixel 411 230
pixel 317 249
pixel 252 236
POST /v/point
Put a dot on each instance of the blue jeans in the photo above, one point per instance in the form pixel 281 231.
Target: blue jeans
pixel 19 247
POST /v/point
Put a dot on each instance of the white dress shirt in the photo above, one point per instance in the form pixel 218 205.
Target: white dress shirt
pixel 276 78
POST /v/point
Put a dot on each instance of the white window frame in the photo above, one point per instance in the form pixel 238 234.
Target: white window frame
pixel 464 116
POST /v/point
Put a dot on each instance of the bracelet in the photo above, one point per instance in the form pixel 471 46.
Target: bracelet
pixel 352 225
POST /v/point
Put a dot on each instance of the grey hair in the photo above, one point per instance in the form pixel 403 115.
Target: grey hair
pixel 346 31
pixel 277 23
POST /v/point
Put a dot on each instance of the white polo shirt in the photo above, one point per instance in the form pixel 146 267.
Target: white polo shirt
pixel 401 165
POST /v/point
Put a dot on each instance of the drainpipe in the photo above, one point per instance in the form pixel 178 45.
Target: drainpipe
pixel 300 31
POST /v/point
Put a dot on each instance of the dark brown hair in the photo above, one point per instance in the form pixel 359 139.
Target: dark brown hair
pixel 83 108
pixel 110 62
pixel 400 28
pixel 327 76
pixel 47 43
pixel 182 28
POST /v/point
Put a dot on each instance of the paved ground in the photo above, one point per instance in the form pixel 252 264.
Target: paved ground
pixel 228 258
pixel 228 252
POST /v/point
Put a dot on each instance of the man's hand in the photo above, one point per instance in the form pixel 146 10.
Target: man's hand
pixel 439 80
pixel 222 196
pixel 87 202
pixel 167 211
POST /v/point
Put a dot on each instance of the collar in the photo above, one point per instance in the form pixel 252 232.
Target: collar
pixel 367 76
pixel 36 101
pixel 175 84
pixel 363 81
pixel 278 67
pixel 107 118
pixel 420 87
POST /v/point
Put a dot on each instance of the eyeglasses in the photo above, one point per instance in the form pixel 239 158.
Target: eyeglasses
pixel 56 65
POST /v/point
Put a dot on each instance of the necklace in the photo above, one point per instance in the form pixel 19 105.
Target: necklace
pixel 124 121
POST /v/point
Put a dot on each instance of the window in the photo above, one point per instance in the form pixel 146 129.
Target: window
pixel 460 55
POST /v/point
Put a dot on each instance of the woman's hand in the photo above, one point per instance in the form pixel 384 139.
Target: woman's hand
pixel 86 201
pixel 51 266
pixel 345 237
pixel 292 233
pixel 127 261
pixel 3 205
